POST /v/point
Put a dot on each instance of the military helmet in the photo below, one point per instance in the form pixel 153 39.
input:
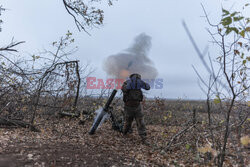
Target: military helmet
pixel 135 75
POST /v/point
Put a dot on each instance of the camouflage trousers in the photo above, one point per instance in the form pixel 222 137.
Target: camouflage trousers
pixel 132 113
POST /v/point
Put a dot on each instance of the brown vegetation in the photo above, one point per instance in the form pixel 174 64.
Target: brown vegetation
pixel 174 139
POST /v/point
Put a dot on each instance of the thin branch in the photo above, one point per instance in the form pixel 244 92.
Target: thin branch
pixel 178 134
pixel 10 47
pixel 78 24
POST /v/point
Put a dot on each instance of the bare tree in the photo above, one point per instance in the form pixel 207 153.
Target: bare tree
pixel 229 85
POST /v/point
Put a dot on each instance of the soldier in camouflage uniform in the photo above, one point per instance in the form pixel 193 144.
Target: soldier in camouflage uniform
pixel 132 97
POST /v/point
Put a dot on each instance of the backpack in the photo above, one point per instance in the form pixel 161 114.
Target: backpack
pixel 133 95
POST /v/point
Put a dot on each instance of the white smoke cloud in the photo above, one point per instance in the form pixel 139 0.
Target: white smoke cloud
pixel 132 60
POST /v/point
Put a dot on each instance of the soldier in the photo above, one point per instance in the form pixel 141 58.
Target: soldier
pixel 132 97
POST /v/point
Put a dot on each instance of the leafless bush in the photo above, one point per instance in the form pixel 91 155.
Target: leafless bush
pixel 50 82
pixel 228 85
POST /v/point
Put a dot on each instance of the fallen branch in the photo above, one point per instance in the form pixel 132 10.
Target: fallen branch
pixel 68 114
pixel 8 122
pixel 178 134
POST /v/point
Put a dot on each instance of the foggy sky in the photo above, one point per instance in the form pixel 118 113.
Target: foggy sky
pixel 39 23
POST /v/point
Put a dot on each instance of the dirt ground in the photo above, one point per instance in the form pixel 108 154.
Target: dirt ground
pixel 63 142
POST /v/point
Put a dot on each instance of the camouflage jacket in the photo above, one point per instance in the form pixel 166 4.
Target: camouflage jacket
pixel 132 89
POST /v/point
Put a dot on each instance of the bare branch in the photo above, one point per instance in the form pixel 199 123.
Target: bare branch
pixel 10 47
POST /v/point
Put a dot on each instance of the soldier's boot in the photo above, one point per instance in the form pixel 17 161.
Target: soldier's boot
pixel 130 130
pixel 145 141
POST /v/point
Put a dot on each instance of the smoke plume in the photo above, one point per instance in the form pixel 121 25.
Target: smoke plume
pixel 132 60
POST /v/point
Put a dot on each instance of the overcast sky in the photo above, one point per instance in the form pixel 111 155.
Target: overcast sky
pixel 39 23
